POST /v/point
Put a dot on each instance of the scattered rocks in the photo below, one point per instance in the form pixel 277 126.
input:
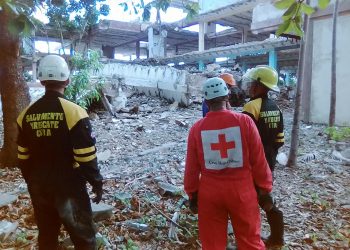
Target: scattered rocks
pixel 104 155
pixel 6 199
pixel 169 189
pixel 136 226
pixel 101 211
pixel 7 228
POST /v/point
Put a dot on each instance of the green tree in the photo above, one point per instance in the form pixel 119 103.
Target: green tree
pixel 293 22
pixel 334 67
pixel 293 15
pixel 137 6
pixel 75 16
pixel 81 90
pixel 16 21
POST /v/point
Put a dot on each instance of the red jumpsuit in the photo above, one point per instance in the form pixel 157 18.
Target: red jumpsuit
pixel 225 159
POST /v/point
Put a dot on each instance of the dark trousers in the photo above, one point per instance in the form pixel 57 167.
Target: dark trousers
pixel 274 216
pixel 73 210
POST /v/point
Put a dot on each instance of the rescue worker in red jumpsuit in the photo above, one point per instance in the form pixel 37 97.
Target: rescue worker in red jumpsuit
pixel 225 161
pixel 57 156
pixel 269 121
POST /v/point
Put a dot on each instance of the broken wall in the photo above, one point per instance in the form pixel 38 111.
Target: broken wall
pixel 162 81
pixel 320 89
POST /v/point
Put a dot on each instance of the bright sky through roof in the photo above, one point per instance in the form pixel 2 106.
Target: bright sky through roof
pixel 116 13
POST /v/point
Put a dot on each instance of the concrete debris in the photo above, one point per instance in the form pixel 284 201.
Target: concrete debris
pixel 101 211
pixel 104 155
pixel 7 228
pixel 318 178
pixel 123 196
pixel 346 153
pixel 229 228
pixel 136 226
pixel 102 242
pixel 159 148
pixel 93 116
pixel 309 157
pixel 120 101
pixel 6 198
pixel 341 155
pixel 173 229
pixel 335 169
pixel 169 189
pixel 212 67
pixel 67 244
pixel 173 106
pixel 182 123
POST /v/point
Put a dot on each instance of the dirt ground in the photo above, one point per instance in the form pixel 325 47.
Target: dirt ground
pixel 139 152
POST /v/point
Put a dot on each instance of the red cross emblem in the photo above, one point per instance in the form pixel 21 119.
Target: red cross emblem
pixel 223 146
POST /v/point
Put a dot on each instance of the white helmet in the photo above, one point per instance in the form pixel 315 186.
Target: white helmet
pixel 214 87
pixel 53 68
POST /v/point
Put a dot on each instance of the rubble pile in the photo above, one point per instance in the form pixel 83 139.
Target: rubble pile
pixel 142 157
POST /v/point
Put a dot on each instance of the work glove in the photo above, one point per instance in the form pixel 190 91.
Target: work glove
pixel 97 190
pixel 194 203
pixel 266 201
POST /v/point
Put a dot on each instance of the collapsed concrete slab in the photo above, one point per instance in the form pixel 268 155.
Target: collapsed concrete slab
pixel 163 81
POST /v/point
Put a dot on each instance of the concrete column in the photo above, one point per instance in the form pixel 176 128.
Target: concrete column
pixel 273 59
pixel 156 43
pixel 150 42
pixel 138 49
pixel 286 81
pixel 244 67
pixel 71 50
pixel 201 36
pixel 34 66
pixel 201 66
pixel 244 35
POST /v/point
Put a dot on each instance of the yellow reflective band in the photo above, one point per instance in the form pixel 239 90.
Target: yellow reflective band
pixel 253 107
pixel 23 157
pixel 82 151
pixel 76 165
pixel 279 140
pixel 22 149
pixel 280 135
pixel 86 158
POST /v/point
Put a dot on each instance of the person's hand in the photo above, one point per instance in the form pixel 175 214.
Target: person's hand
pixel 194 203
pixel 266 201
pixel 98 191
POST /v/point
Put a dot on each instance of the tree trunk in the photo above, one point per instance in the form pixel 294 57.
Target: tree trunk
pixel 334 67
pixel 14 91
pixel 293 152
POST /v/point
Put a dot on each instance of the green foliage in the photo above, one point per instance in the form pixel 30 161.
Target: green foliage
pixel 81 90
pixel 192 10
pixel 292 17
pixel 137 6
pixel 338 134
pixel 21 22
pixel 130 245
pixel 323 3
pixel 75 15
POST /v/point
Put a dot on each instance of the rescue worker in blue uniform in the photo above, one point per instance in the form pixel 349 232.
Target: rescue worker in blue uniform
pixel 57 157
pixel 269 121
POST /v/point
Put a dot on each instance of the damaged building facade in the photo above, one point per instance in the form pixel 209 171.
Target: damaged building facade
pixel 169 60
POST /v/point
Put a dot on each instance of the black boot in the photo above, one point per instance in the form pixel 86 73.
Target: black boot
pixel 275 220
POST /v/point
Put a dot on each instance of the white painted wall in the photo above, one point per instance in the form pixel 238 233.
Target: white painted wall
pixel 321 71
pixel 163 81
pixel 209 5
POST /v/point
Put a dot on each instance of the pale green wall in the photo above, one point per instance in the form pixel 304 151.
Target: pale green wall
pixel 321 70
